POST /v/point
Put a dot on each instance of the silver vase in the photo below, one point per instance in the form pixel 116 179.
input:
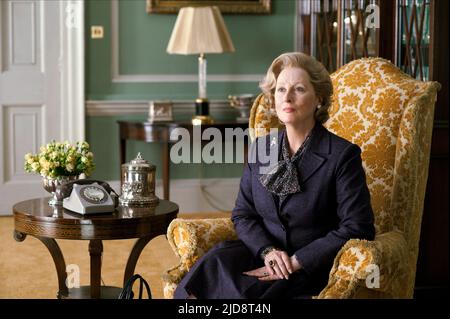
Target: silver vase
pixel 50 185
pixel 242 103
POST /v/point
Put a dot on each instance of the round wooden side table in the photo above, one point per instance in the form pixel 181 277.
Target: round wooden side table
pixel 36 218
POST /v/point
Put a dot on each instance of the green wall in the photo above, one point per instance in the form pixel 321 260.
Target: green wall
pixel 103 136
pixel 143 39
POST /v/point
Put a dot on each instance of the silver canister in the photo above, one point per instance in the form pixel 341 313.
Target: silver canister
pixel 138 183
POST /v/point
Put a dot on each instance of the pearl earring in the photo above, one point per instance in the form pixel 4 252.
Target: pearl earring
pixel 319 106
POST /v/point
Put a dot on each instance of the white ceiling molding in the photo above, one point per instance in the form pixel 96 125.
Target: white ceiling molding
pixel 160 78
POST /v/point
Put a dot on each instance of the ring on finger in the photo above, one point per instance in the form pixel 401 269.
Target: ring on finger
pixel 272 263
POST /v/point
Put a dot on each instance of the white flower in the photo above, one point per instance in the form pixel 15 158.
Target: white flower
pixel 60 158
pixel 46 165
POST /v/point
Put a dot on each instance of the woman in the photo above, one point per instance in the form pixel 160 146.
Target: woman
pixel 293 218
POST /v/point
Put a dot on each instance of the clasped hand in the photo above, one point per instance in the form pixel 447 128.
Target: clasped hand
pixel 277 265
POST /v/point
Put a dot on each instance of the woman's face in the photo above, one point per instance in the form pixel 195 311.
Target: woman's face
pixel 295 99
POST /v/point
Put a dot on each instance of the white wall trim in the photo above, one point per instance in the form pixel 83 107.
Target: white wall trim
pixel 72 70
pixel 183 78
pixel 117 108
pixel 160 78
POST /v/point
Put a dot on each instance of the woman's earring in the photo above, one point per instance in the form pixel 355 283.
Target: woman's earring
pixel 319 106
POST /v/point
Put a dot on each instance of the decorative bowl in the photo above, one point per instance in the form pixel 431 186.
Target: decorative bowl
pixel 242 103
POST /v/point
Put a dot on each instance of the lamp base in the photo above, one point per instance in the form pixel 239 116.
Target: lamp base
pixel 201 106
pixel 202 120
pixel 202 112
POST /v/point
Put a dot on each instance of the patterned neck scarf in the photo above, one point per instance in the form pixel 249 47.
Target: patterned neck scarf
pixel 282 179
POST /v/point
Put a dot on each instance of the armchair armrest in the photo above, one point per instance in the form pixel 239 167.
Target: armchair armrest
pixel 190 239
pixel 378 265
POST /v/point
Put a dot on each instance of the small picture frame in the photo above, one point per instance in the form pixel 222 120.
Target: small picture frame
pixel 160 111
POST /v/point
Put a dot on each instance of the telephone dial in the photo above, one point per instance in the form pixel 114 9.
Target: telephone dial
pixel 85 196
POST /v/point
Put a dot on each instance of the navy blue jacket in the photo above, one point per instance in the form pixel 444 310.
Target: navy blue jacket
pixel 314 224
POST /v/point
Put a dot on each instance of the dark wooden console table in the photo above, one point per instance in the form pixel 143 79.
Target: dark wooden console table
pixel 36 218
pixel 160 132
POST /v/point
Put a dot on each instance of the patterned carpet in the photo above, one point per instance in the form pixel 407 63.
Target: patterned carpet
pixel 27 269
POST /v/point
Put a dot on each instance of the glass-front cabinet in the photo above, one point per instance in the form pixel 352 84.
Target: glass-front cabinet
pixel 359 29
pixel 318 30
pixel 413 44
pixel 339 31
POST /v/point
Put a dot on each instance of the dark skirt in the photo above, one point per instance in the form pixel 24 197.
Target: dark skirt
pixel 219 275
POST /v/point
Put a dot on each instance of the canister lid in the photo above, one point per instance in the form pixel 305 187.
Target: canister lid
pixel 139 164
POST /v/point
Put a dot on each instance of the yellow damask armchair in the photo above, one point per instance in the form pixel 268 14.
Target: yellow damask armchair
pixel 390 116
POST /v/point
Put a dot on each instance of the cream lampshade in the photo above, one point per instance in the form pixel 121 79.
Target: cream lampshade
pixel 200 30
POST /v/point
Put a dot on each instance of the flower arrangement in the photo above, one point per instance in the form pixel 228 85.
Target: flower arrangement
pixel 61 159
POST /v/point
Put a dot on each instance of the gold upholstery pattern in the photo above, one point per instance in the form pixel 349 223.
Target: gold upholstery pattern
pixel 390 116
pixel 262 118
pixel 190 239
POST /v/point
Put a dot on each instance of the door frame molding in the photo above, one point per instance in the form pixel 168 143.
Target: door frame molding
pixel 72 64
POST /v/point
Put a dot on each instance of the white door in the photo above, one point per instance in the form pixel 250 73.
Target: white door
pixel 32 91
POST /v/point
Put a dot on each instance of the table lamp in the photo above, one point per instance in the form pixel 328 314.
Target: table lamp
pixel 200 30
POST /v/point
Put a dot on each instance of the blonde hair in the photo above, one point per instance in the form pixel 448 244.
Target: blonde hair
pixel 319 78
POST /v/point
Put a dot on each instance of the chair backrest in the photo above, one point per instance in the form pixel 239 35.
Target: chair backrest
pixel 390 116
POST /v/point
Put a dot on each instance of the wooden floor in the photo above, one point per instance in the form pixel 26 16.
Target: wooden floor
pixel 27 269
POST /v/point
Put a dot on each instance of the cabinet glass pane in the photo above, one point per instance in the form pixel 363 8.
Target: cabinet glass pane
pixel 318 30
pixel 326 27
pixel 359 29
pixel 414 40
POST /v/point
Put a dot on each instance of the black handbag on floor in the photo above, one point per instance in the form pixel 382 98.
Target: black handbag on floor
pixel 127 291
